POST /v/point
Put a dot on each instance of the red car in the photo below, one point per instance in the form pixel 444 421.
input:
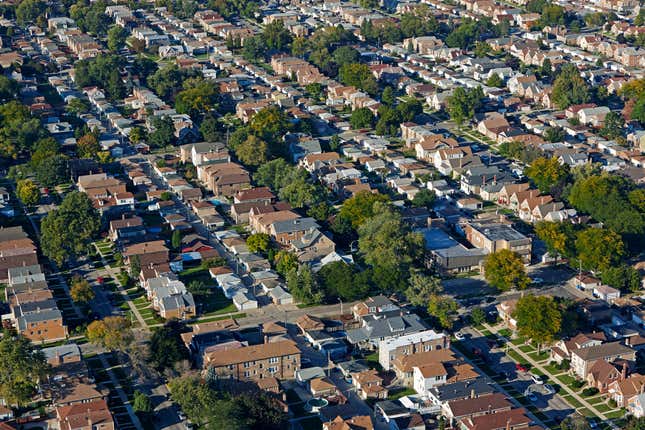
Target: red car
pixel 99 279
pixel 520 367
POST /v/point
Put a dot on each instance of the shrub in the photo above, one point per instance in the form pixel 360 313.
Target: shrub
pixel 591 391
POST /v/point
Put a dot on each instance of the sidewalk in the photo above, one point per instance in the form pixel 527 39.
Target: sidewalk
pixel 542 369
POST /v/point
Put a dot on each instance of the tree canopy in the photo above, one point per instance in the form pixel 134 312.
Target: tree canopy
pixel 569 88
pixel 538 318
pixel 546 173
pixel 66 232
pixel 22 368
pixel 504 270
pixel 111 333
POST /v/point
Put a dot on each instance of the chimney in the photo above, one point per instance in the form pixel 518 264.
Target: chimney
pixel 508 424
pixel 484 180
pixel 623 373
pixel 472 393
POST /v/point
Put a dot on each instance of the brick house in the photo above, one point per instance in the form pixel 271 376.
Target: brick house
pixel 277 359
pixel 94 415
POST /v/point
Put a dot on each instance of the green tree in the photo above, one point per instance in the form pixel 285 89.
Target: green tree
pixel 424 198
pixel 141 403
pixel 67 232
pixel 389 247
pixel 408 110
pixel 360 207
pixel 23 367
pixel 421 288
pixel 570 88
pixel 538 318
pixel 164 132
pixel 258 242
pixel 623 277
pixel 612 126
pixel 554 134
pixel 443 308
pixel 285 261
pixel 462 104
pixel 253 151
pixel 77 106
pixel 478 316
pixel 112 333
pixel 166 347
pixel 339 279
pixel 8 88
pixel 598 249
pixel 276 36
pixel 546 173
pixel 345 55
pixel 255 49
pixel 387 96
pixel 303 285
pixel 359 76
pixel 558 237
pixel 28 192
pixel 81 290
pixel 361 118
pixel 269 124
pixel 482 49
pixel 495 81
pixel 137 135
pixel 29 10
pixel 18 129
pixel 504 270
pixel 198 96
pixel 175 240
pixel 116 37
pixel 52 171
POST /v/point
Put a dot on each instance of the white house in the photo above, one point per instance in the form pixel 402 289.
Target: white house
pixel 428 376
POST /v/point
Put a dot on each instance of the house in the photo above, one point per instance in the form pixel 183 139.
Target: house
pixel 585 282
pixel 94 415
pixel 280 296
pixel 403 366
pixel 376 305
pixel 457 410
pixel 375 330
pixel 322 387
pixel 563 348
pixel 358 422
pixel 583 359
pixel 369 385
pixel 411 422
pixel 126 228
pixel 276 359
pixel 624 389
pixel 313 245
pixel 394 348
pixel 285 232
pixel 505 310
pixel 606 293
pixel 603 373
pixel 471 388
pixel 504 420
pixel 493 125
pixel 636 405
pixel 16 250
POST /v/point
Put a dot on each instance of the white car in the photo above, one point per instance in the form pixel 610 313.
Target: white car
pixel 459 336
pixel 537 380
pixel 537 281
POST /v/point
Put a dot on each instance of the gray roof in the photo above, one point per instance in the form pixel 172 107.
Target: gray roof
pixel 62 351
pixel 462 389
pixel 46 315
pixel 178 301
pixel 31 307
pixel 376 329
pixel 298 224
pixel 494 231
pixel 605 350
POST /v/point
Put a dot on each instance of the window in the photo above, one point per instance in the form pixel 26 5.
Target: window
pixel 247 365
pixel 247 374
pixel 427 348
pixel 273 360
pixel 273 369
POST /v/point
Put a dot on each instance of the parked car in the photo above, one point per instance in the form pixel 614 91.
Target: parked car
pixel 520 367
pixel 532 397
pixel 537 379
pixel 549 389
pixel 459 336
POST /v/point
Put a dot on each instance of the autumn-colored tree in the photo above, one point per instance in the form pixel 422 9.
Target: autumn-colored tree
pixel 546 173
pixel 253 151
pixel 88 146
pixel 81 290
pixel 112 333
pixel 28 192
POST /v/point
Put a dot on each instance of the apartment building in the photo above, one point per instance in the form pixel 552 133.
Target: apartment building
pixel 16 249
pixel 392 349
pixel 493 237
pixel 277 359
pixel 584 358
